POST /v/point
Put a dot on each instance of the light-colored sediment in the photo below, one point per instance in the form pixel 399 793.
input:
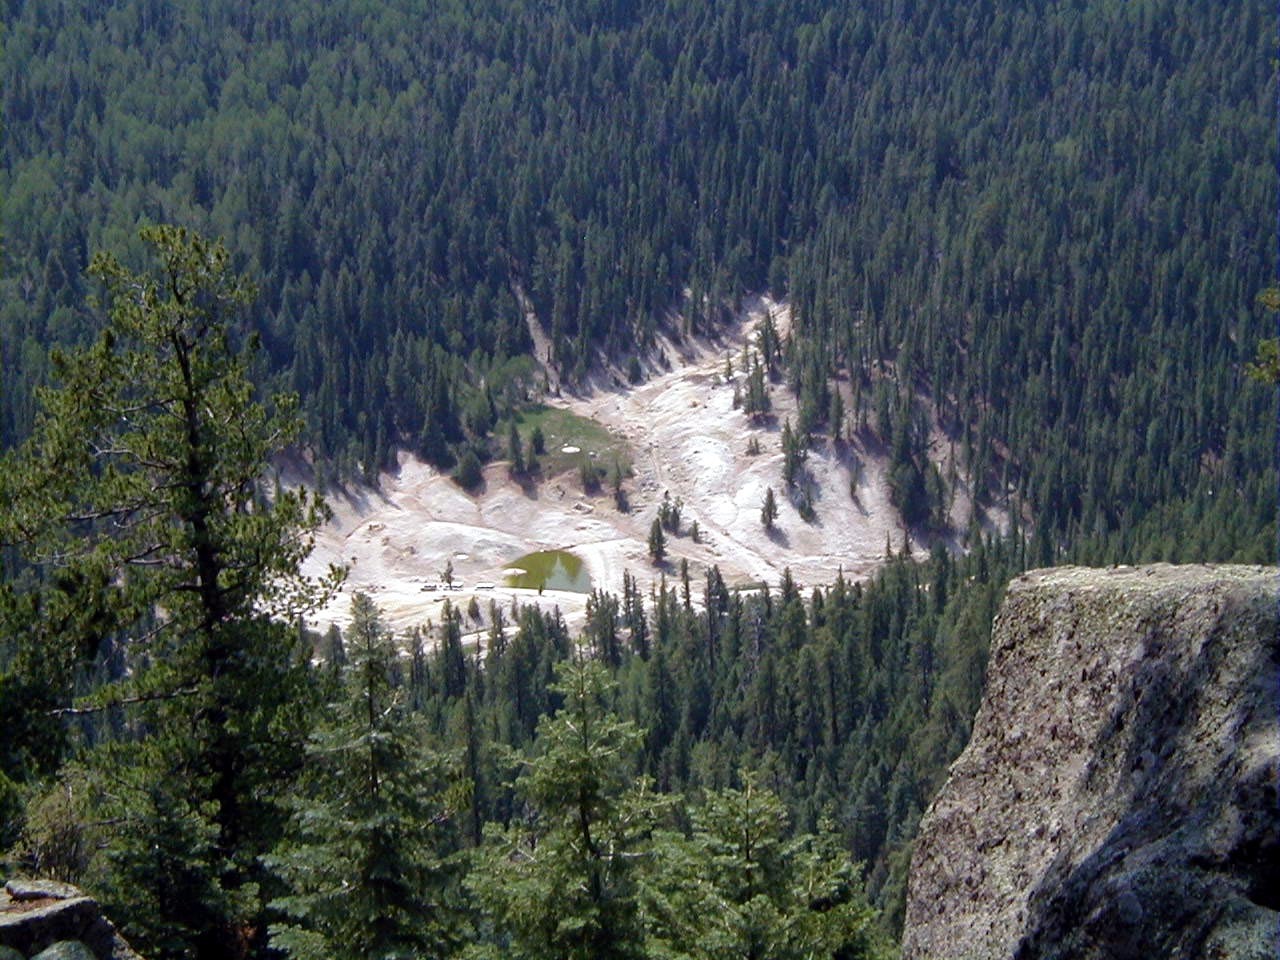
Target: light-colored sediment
pixel 686 438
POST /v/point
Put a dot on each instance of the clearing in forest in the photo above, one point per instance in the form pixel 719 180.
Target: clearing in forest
pixel 682 437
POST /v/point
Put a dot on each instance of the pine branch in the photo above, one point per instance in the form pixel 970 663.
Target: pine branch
pixel 123 701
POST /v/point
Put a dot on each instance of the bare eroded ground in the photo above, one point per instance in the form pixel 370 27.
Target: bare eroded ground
pixel 686 438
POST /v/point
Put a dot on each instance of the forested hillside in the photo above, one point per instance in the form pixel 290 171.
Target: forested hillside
pixel 1048 221
pixel 1034 230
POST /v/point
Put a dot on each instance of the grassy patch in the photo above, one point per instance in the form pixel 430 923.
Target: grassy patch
pixel 560 429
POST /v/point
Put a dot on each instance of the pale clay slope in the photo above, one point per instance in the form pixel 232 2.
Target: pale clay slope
pixel 686 438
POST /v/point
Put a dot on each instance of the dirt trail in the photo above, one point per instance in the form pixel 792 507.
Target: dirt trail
pixel 686 438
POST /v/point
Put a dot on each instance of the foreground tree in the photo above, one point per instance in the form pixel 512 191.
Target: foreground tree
pixel 361 857
pixel 741 887
pixel 140 507
pixel 564 884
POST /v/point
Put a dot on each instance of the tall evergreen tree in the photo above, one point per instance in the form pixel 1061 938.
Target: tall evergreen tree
pixel 139 499
pixel 564 884
pixel 363 857
pixel 742 887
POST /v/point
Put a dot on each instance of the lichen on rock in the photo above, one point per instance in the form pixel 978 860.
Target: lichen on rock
pixel 1118 797
pixel 56 921
pixel 66 950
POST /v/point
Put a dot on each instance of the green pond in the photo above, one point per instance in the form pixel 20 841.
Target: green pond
pixel 552 570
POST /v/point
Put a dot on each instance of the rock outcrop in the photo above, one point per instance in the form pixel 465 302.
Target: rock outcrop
pixel 44 920
pixel 1119 795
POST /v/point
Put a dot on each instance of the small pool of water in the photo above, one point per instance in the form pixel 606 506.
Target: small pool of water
pixel 550 570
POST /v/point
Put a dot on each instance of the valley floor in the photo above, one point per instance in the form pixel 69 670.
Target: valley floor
pixel 686 439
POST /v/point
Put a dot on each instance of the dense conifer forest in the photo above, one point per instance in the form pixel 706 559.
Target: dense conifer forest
pixel 1043 226
pixel 1047 222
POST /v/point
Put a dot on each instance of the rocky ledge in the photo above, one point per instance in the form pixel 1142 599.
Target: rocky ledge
pixel 1119 795
pixel 45 920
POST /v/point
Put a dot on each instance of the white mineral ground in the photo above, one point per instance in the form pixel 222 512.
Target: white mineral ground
pixel 686 438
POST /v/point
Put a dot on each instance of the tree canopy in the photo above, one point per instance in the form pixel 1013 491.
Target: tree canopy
pixel 1038 222
pixel 157 554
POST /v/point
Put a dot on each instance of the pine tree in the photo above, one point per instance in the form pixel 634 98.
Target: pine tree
pixel 453 661
pixel 619 495
pixel 362 855
pixel 794 453
pixel 564 885
pixel 740 887
pixel 769 510
pixel 657 541
pixel 1266 366
pixel 756 404
pixel 140 497
pixel 514 452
